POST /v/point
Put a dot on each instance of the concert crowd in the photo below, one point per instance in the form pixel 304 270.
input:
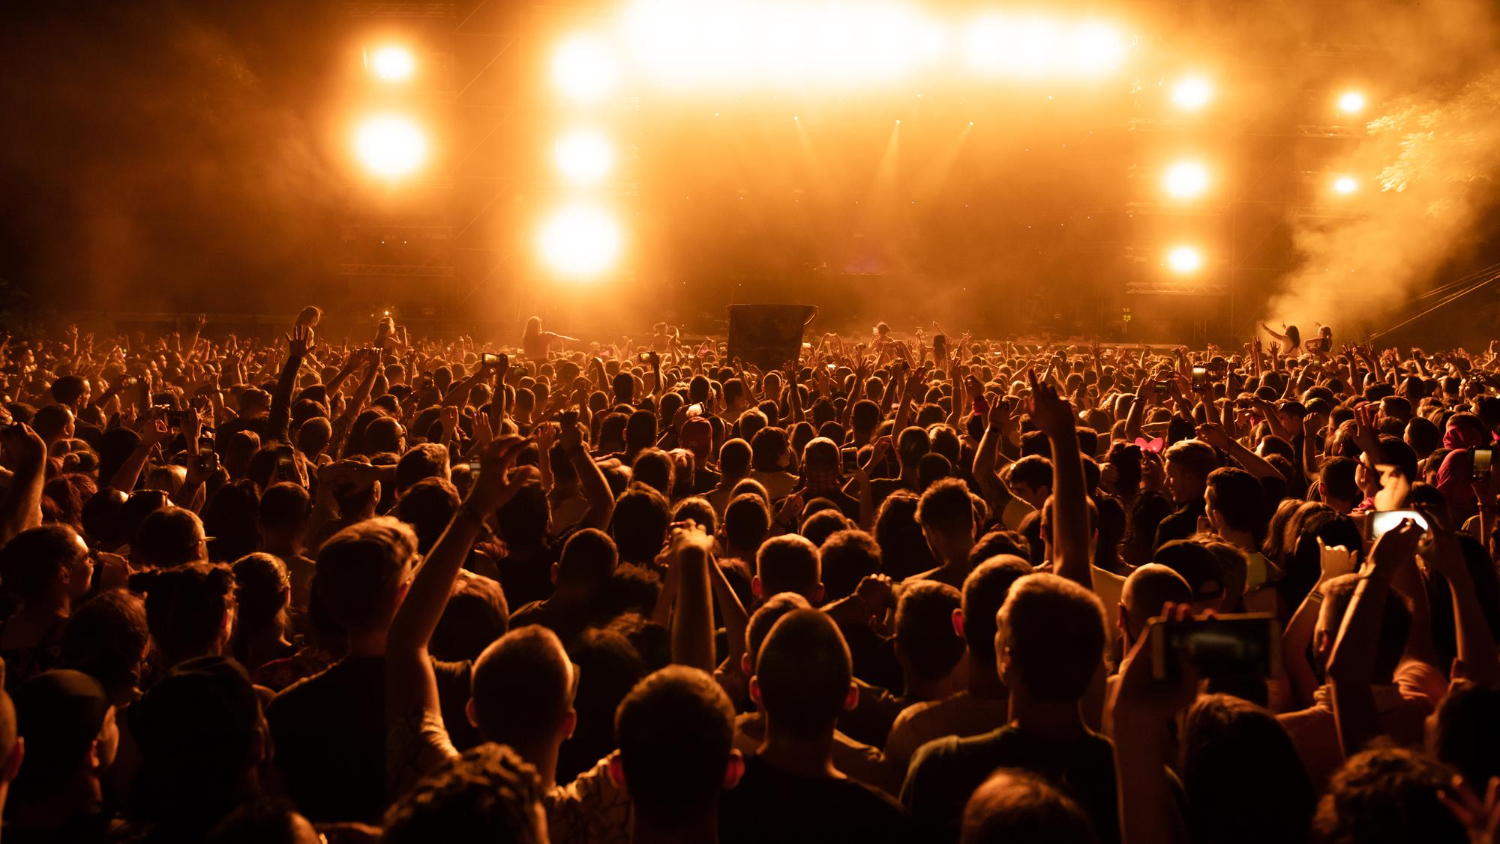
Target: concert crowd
pixel 907 587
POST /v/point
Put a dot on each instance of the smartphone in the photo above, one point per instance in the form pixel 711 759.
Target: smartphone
pixel 1244 645
pixel 473 469
pixel 490 359
pixel 850 458
pixel 1377 523
pixel 1481 463
pixel 1163 388
pixel 1200 378
pixel 644 357
pixel 208 461
pixel 832 367
pixel 286 462
pixel 177 419
pixel 695 409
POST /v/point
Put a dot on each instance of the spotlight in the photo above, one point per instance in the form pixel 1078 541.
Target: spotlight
pixel 1352 102
pixel 1192 93
pixel 1186 179
pixel 580 241
pixel 584 156
pixel 1184 260
pixel 392 64
pixel 1345 185
pixel 390 146
pixel 584 69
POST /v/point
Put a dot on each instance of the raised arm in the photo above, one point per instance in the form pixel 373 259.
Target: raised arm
pixel 1216 436
pixel 1070 515
pixel 299 343
pixel 994 489
pixel 591 478
pixel 691 550
pixel 21 507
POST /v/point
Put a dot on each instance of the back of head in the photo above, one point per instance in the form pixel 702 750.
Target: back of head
pixel 768 448
pixel 1018 807
pixel 789 563
pixel 169 537
pixel 428 505
pixel 925 639
pixel 588 560
pixel 846 557
pixel 426 460
pixel 1052 630
pixel 476 615
pixel 262 589
pixel 765 618
pixel 1395 622
pixel 522 685
pixel 747 520
pixel 59 714
pixel 984 594
pixel 945 509
pixel 1147 590
pixel 803 672
pixel 106 638
pixel 488 794
pixel 186 606
pixel 1386 796
pixel 284 507
pixel 32 561
pixel 1238 498
pixel 640 523
pixel 1196 564
pixel 360 570
pixel 734 459
pixel 675 731
pixel 1244 779
pixel 1465 732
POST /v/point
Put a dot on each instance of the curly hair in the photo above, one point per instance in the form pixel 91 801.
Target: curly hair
pixel 487 794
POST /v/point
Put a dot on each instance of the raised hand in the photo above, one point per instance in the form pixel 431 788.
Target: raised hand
pixel 495 486
pixel 1052 414
pixel 300 341
pixel 22 445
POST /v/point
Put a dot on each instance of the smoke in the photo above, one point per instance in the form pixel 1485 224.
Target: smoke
pixel 1435 153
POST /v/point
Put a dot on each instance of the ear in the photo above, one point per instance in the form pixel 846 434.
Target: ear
pixel 958 623
pixel 12 764
pixel 734 770
pixel 570 722
pixel 755 587
pixel 745 667
pixel 851 700
pixel 755 690
pixel 93 755
pixel 617 770
pixel 469 712
pixel 554 574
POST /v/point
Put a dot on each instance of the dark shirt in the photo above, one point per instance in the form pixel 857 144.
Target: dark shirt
pixel 1183 522
pixel 329 733
pixel 567 623
pixel 772 805
pixel 944 772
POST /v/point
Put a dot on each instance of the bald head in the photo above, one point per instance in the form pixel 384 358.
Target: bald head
pixel 522 686
pixel 803 673
pixel 1147 590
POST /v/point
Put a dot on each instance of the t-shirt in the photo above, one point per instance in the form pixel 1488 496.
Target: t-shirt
pixel 770 804
pixel 329 731
pixel 853 759
pixel 959 715
pixel 1181 524
pixel 566 623
pixel 945 772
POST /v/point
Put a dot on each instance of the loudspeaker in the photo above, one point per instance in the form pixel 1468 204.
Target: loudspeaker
pixel 769 336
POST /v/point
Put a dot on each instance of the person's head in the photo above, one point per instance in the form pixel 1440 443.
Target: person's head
pixel 282 516
pixel 1146 591
pixel 52 423
pixel 363 572
pixel 1395 625
pixel 266 821
pixel 1386 796
pixel 426 460
pixel 1031 479
pixel 640 430
pixel 107 638
pixel 47 566
pixel 734 460
pixel 846 557
pixel 984 594
pixel 1198 566
pixel 385 434
pixel 788 563
pixel 769 450
pixel 230 518
pixel 1464 732
pixel 675 731
pixel 1050 639
pixel 169 537
pixel 1336 485
pixel 803 675
pixel 68 724
pixel 588 561
pixel 822 523
pixel 1244 780
pixel 262 593
pixel 487 794
pixel 1189 463
pixel 947 519
pixel 428 505
pixel 523 686
pixel 1015 806
pixel 654 468
pixel 71 392
pixel 189 609
pixel 201 738
pixel 1235 502
pixel 927 645
pixel 902 545
pixel 640 522
pixel 747 522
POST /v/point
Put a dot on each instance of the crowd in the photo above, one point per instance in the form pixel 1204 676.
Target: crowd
pixel 907 587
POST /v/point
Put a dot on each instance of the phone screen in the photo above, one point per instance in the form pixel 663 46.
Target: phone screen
pixel 1482 462
pixel 850 458
pixel 489 359
pixel 1200 377
pixel 1380 521
pixel 1245 645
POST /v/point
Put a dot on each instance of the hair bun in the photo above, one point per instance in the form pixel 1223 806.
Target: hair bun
pixel 220 580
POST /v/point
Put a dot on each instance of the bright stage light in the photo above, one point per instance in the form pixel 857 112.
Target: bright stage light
pixel 390 146
pixel 584 68
pixel 1186 179
pixel 1192 93
pixel 392 64
pixel 584 156
pixel 580 241
pixel 1184 260
pixel 1352 102
pixel 1345 185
